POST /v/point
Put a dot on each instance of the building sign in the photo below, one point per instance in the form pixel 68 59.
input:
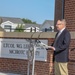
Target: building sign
pixel 18 48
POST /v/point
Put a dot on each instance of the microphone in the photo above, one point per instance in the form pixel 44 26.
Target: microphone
pixel 43 45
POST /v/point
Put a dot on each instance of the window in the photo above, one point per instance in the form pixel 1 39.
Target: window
pixel 48 29
pixel 7 27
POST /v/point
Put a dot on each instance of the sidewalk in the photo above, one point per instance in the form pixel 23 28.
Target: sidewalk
pixel 8 74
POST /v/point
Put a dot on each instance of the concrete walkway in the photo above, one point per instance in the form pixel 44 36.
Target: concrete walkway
pixel 8 74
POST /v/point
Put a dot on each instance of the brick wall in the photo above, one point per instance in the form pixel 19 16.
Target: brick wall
pixel 71 65
pixel 19 66
pixel 69 14
pixel 41 68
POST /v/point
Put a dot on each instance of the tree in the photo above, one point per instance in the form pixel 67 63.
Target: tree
pixel 28 21
pixel 19 28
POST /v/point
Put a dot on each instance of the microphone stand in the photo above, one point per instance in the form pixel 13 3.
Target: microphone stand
pixel 31 52
pixel 31 55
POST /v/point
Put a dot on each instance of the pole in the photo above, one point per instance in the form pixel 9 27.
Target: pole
pixel 33 65
pixel 63 5
pixel 28 71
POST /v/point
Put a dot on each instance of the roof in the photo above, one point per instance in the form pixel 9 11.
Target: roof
pixel 12 19
pixel 51 22
pixel 32 25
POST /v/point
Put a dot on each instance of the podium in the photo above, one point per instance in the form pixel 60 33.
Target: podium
pixel 31 53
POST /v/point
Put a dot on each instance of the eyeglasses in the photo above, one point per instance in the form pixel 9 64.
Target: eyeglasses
pixel 58 24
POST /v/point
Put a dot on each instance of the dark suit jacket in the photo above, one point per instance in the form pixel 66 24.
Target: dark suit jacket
pixel 61 52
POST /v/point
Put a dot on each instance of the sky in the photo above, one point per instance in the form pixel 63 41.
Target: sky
pixel 36 10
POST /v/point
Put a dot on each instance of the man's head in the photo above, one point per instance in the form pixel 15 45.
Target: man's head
pixel 61 24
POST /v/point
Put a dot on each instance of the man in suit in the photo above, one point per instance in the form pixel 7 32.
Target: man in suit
pixel 61 48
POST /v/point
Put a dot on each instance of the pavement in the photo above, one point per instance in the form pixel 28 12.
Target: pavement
pixel 8 74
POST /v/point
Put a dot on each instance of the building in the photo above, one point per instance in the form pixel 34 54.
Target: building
pixel 32 27
pixel 48 26
pixel 9 24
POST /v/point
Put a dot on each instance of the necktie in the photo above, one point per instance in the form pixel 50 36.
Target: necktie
pixel 58 35
pixel 56 38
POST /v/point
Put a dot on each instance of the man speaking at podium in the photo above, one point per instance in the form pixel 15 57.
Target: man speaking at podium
pixel 61 48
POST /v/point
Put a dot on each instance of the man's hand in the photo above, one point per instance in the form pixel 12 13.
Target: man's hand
pixel 52 48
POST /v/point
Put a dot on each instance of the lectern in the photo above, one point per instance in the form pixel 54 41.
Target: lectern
pixel 31 53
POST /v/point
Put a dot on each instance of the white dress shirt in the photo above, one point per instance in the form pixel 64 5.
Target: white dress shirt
pixel 59 33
